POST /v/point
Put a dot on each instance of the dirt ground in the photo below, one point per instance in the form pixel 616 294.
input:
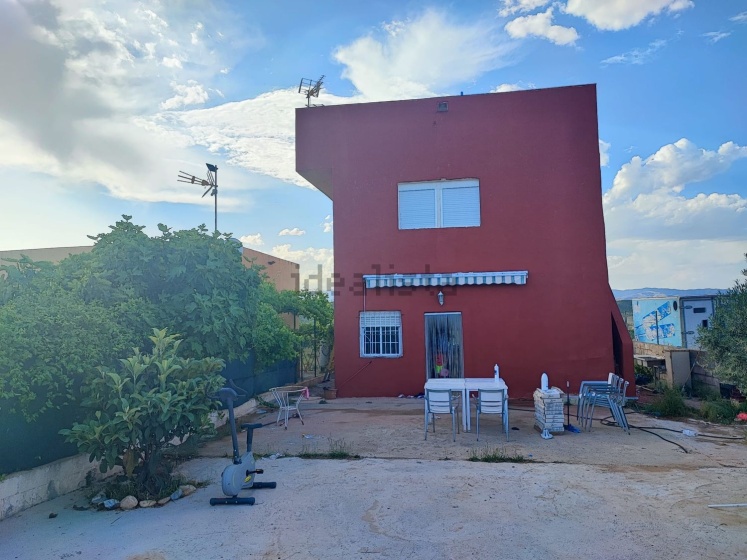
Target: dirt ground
pixel 599 494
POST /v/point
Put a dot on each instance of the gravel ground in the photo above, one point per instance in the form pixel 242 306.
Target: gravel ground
pixel 602 494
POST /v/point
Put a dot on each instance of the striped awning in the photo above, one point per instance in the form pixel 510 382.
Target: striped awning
pixel 447 279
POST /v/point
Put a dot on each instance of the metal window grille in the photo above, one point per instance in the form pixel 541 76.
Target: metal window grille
pixel 381 334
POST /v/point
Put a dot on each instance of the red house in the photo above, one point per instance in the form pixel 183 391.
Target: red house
pixel 468 231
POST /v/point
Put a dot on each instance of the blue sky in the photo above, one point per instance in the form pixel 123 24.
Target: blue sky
pixel 104 102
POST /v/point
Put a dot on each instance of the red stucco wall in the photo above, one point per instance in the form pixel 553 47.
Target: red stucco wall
pixel 536 156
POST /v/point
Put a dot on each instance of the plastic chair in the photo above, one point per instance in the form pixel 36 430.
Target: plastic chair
pixel 441 401
pixel 288 400
pixel 620 398
pixel 492 401
pixel 584 398
pixel 610 394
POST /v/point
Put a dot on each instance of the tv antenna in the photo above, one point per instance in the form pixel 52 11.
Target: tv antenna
pixel 211 183
pixel 310 88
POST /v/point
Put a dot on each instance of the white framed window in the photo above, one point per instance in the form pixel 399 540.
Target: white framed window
pixel 381 334
pixel 439 204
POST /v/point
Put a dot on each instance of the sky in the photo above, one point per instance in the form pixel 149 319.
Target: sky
pixel 104 102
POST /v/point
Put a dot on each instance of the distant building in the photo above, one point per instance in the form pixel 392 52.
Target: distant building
pixel 280 272
pixel 626 310
pixel 671 321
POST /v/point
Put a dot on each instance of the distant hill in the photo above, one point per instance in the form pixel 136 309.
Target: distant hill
pixel 639 293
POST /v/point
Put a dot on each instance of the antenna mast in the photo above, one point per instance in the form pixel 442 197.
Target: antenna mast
pixel 310 88
pixel 211 183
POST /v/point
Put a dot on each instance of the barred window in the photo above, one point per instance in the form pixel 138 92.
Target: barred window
pixel 381 334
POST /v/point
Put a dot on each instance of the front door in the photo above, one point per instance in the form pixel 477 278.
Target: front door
pixel 443 345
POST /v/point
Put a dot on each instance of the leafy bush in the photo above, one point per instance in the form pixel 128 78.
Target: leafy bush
pixel 58 323
pixel 50 341
pixel 721 411
pixel 669 403
pixel 134 414
pixel 725 337
pixel 705 391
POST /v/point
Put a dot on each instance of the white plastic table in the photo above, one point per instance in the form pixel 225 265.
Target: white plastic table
pixel 464 386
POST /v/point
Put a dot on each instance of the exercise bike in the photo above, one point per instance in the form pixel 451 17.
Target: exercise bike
pixel 241 473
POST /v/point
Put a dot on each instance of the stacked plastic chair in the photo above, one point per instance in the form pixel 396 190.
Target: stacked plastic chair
pixel 609 394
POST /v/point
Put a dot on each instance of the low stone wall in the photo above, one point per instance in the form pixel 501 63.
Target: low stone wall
pixel 649 349
pixel 24 489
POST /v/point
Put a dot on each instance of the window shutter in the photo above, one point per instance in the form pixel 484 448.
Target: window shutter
pixel 460 206
pixel 380 319
pixel 417 208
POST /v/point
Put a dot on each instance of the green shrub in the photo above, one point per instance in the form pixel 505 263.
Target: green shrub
pixel 134 414
pixel 51 341
pixel 706 392
pixel 669 404
pixel 720 411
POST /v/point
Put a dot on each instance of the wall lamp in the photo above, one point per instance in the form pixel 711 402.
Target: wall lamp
pixel 440 298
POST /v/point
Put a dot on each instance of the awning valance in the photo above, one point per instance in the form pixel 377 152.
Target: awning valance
pixel 445 279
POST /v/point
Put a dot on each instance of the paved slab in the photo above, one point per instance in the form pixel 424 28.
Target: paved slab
pixel 610 496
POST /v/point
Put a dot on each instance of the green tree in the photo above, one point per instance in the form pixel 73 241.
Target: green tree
pixel 59 322
pixel 18 274
pixel 135 413
pixel 50 340
pixel 316 319
pixel 725 339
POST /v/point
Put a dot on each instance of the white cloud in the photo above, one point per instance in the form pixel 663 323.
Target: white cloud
pixel 604 156
pixel 252 240
pixel 637 56
pixel 92 80
pixel 716 36
pixel 411 59
pixel 294 232
pixel 510 7
pixel 653 224
pixel 196 34
pixel 615 15
pixel 256 134
pixel 327 224
pixel 688 264
pixel 671 168
pixel 190 94
pixel 171 62
pixel 415 57
pixel 503 88
pixel 739 18
pixel 540 25
pixel 86 83
pixel 316 265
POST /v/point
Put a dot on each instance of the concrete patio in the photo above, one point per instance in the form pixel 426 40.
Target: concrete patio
pixel 601 494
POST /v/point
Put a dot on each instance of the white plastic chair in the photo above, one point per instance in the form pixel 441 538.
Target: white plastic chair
pixel 288 400
pixel 441 401
pixel 492 401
